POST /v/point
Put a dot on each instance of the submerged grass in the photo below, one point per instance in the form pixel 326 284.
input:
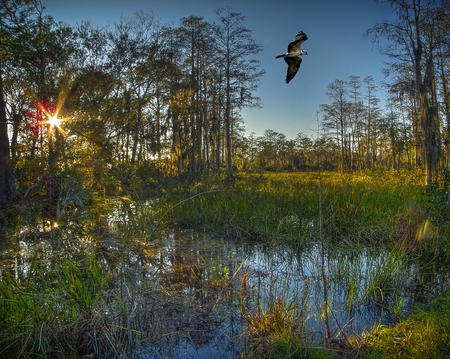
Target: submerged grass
pixel 276 319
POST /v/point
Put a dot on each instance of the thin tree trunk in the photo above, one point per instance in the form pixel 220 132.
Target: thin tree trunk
pixel 228 130
pixel 7 189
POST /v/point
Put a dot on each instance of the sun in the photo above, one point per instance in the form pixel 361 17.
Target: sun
pixel 54 121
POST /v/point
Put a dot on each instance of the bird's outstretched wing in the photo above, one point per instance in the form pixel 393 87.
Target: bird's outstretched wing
pixel 299 39
pixel 293 66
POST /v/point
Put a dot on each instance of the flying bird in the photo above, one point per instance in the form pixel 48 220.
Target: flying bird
pixel 292 56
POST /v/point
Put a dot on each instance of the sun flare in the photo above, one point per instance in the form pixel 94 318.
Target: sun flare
pixel 54 121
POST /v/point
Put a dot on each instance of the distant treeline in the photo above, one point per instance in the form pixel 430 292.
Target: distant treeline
pixel 105 106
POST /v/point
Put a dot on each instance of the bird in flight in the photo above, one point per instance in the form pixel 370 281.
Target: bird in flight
pixel 292 56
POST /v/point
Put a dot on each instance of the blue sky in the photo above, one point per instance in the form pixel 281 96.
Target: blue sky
pixel 336 47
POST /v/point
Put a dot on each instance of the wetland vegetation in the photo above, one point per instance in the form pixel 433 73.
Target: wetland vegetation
pixel 214 269
pixel 138 220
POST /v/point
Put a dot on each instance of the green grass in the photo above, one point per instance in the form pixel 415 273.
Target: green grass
pixel 277 327
pixel 285 207
pixel 65 309
pixel 55 313
pixel 424 334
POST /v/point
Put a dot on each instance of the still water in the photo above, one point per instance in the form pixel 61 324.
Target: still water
pixel 184 292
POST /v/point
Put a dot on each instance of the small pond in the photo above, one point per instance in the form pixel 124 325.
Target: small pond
pixel 183 294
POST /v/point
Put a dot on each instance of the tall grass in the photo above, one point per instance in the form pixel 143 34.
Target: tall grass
pixel 276 316
pixel 115 303
pixel 284 207
pixel 64 313
pixel 101 307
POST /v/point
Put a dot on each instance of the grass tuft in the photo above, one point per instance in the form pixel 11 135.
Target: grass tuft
pixel 424 334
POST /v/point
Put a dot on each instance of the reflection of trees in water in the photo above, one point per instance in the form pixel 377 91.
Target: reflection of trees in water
pixel 196 306
pixel 178 295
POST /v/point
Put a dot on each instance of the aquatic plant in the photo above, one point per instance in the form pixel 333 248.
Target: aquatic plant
pixel 425 334
pixel 275 327
pixel 51 313
pixel 354 237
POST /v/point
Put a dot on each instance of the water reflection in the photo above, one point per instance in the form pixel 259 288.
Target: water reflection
pixel 179 296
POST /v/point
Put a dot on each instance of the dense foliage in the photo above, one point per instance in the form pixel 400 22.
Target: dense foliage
pixel 97 108
pixel 91 109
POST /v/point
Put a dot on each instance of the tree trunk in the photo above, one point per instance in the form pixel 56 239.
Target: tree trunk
pixel 430 125
pixel 432 153
pixel 136 135
pixel 228 130
pixel 7 188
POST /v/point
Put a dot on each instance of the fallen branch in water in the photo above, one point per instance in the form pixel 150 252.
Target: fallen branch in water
pixel 181 202
pixel 155 227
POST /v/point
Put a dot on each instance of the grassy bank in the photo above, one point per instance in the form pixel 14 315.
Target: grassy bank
pixel 277 331
pixel 357 209
pixel 423 335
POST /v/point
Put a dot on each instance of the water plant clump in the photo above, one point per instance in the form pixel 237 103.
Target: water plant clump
pixel 276 317
pixel 424 334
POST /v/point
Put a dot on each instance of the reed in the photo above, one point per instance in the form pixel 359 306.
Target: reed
pixel 101 306
pixel 56 313
pixel 275 315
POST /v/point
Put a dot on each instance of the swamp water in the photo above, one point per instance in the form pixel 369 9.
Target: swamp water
pixel 183 295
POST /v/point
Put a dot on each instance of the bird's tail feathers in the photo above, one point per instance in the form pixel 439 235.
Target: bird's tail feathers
pixel 277 57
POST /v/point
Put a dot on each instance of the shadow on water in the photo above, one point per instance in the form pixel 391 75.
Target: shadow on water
pixel 181 297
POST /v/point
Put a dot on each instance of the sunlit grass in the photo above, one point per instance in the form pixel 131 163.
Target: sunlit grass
pixel 284 207
pixel 423 335
pixel 276 327
pixel 49 312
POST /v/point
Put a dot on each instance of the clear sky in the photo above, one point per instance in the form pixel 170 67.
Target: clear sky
pixel 336 46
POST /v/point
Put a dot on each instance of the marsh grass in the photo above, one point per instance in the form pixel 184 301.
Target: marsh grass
pixel 280 318
pixel 358 209
pixel 423 335
pixel 276 318
pixel 285 316
pixel 377 275
pixel 378 213
pixel 111 299
pixel 65 312
pixel 111 304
